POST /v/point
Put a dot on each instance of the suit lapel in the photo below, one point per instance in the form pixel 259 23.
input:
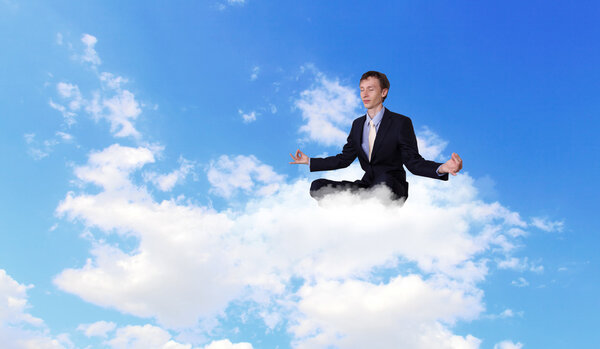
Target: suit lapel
pixel 381 132
pixel 358 136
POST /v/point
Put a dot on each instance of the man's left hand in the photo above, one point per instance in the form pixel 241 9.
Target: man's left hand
pixel 452 166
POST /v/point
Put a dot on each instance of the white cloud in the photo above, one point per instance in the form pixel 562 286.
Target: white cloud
pixel 13 302
pixel 407 311
pixel 64 136
pixel 255 71
pixel 34 149
pixel 507 344
pixel 505 314
pixel 144 337
pixel 122 109
pixel 328 109
pixel 76 101
pixel 226 344
pixel 39 150
pixel 90 55
pixel 191 262
pixel 223 5
pixel 520 264
pixel 111 167
pixel 112 103
pixel 18 328
pixel 166 182
pixel 59 39
pixel 112 81
pixel 67 114
pixel 248 117
pixel 520 282
pixel 228 175
pixel 153 337
pixel 545 224
pixel 430 144
pixel 97 329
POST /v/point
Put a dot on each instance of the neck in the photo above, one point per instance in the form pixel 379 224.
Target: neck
pixel 373 111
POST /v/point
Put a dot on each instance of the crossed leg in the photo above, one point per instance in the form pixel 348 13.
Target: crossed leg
pixel 321 187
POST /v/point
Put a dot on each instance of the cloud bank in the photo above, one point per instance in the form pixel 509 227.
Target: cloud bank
pixel 354 271
pixel 369 268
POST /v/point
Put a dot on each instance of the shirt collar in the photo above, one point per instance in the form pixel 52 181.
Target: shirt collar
pixel 377 118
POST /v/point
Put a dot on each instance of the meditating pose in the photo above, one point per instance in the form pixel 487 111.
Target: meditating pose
pixel 384 142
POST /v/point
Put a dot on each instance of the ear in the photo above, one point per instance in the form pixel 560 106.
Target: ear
pixel 384 92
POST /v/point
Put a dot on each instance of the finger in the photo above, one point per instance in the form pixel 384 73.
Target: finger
pixel 293 157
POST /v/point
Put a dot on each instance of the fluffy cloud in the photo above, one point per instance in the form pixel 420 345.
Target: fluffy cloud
pixel 18 328
pixel 407 311
pixel 191 262
pixel 508 345
pixel 226 344
pixel 430 144
pixel 328 109
pixel 97 329
pixel 144 337
pixel 120 110
pixel 228 175
pixel 247 117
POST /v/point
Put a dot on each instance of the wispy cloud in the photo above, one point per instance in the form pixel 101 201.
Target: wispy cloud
pixel 118 106
pixel 328 108
pixel 521 264
pixel 255 71
pixel 41 149
pixel 505 314
pixel 520 282
pixel 223 5
pixel 545 224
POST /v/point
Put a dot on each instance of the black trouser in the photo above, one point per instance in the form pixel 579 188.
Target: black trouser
pixel 321 187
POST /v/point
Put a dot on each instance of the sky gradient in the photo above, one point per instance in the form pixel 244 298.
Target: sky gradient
pixel 147 200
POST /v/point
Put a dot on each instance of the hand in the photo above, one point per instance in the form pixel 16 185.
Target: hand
pixel 300 158
pixel 452 166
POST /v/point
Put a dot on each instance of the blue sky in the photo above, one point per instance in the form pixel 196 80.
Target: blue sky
pixel 147 199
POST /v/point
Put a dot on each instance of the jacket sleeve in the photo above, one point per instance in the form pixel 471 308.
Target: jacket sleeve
pixel 341 160
pixel 411 157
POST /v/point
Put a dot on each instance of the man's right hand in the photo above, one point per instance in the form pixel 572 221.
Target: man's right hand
pixel 300 158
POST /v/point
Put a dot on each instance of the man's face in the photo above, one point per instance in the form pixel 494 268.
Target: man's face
pixel 371 92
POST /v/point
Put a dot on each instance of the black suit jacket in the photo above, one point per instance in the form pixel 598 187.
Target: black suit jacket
pixel 395 146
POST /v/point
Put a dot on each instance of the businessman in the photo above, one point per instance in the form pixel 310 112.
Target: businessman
pixel 384 142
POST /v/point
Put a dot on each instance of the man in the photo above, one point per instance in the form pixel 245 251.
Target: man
pixel 384 142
